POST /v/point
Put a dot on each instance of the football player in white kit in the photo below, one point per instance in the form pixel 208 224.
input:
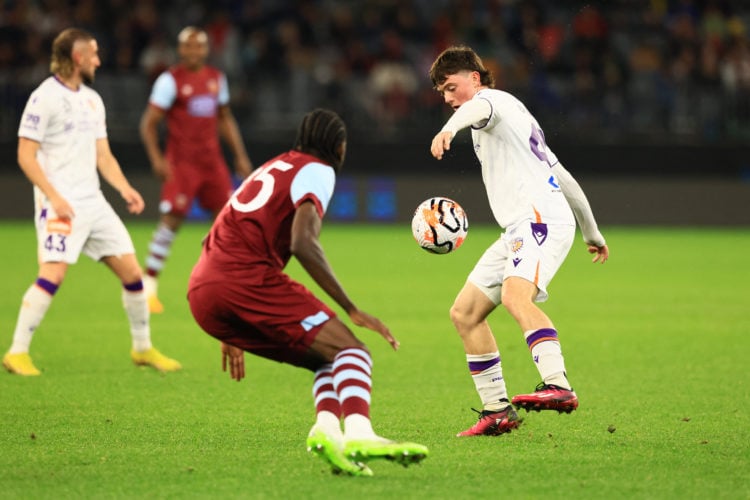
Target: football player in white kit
pixel 62 141
pixel 536 201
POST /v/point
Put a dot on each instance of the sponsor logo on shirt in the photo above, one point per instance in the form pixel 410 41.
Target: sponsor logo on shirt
pixel 202 106
pixel 31 121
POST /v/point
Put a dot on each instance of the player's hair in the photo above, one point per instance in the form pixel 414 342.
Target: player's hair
pixel 456 59
pixel 61 61
pixel 321 134
pixel 189 31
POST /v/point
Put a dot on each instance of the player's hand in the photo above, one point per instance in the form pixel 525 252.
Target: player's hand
pixel 133 199
pixel 601 254
pixel 243 167
pixel 361 318
pixel 236 358
pixel 162 169
pixel 440 144
pixel 62 208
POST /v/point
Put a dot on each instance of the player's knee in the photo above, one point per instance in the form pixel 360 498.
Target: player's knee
pixel 461 317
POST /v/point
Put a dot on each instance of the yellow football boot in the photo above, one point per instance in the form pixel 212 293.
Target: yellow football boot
pixel 155 359
pixel 20 364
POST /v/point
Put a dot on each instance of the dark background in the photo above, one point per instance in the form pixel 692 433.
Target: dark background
pixel 646 102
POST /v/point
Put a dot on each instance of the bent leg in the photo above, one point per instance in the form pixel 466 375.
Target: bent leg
pixel 541 336
pixel 469 315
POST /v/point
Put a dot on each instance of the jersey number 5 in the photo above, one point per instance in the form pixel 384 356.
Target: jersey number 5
pixel 265 176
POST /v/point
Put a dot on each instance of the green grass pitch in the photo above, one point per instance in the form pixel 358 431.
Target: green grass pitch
pixel 656 343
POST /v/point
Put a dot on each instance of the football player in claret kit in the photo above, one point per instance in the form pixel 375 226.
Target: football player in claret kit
pixel 537 202
pixel 193 97
pixel 239 294
pixel 62 142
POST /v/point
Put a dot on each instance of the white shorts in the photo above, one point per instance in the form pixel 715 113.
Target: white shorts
pixel 96 230
pixel 528 250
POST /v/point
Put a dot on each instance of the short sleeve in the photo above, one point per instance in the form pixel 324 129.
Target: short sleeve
pixel 316 182
pixel 101 122
pixel 36 116
pixel 164 91
pixel 223 97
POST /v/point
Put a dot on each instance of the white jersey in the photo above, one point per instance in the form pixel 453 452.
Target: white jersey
pixel 516 163
pixel 66 123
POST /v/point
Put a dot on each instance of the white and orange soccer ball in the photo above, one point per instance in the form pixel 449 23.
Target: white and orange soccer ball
pixel 439 225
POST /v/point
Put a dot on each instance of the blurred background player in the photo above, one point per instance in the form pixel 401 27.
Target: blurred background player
pixel 62 141
pixel 194 97
pixel 239 293
pixel 534 199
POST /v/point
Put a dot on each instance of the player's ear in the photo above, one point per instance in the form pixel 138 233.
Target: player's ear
pixel 476 78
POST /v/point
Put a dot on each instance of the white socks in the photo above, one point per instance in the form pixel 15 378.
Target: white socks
pixel 136 309
pixel 36 301
pixel 487 372
pixel 547 354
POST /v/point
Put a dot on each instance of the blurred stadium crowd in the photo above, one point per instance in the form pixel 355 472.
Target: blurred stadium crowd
pixel 613 70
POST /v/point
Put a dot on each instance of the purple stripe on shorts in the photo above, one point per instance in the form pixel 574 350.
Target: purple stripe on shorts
pixel 134 287
pixel 47 286
pixel 480 366
pixel 541 335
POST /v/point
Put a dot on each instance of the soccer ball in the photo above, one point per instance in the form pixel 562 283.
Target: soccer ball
pixel 439 225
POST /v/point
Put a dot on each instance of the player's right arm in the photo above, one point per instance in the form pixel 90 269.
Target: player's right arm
pixel 471 112
pixel 27 149
pixel 306 247
pixel 149 130
pixel 162 97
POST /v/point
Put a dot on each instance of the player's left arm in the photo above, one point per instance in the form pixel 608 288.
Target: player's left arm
pixel 230 132
pixel 306 247
pixel 583 213
pixel 110 170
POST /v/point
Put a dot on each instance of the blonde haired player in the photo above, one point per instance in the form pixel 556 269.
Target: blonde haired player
pixel 62 142
pixel 537 202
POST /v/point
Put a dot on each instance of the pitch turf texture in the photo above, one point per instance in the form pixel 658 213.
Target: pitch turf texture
pixel 656 344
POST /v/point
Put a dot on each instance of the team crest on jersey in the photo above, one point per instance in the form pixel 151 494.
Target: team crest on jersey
pixel 213 87
pixel 516 244
pixel 186 89
pixel 181 201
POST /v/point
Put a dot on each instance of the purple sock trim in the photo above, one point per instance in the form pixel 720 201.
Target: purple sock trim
pixel 541 335
pixel 134 287
pixel 480 366
pixel 47 286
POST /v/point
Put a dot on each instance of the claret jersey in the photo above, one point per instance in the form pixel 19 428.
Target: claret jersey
pixel 254 228
pixel 191 100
